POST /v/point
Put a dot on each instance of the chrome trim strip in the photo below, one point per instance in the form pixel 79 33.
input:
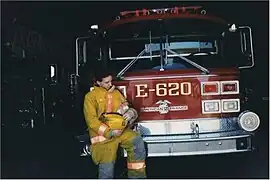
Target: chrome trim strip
pixel 196 139
pixel 196 153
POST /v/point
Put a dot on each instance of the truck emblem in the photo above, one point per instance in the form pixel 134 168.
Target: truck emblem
pixel 163 106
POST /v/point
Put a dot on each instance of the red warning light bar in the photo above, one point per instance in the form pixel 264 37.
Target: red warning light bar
pixel 195 12
pixel 174 10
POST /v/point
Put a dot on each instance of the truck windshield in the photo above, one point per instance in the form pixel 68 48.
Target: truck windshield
pixel 198 41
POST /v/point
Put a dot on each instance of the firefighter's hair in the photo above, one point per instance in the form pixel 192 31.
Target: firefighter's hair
pixel 101 73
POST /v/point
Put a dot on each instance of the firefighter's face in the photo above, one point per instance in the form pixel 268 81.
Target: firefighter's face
pixel 106 82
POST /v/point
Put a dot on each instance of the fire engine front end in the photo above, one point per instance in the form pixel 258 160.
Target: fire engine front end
pixel 187 113
pixel 180 69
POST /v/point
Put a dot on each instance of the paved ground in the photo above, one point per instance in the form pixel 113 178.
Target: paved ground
pixel 53 154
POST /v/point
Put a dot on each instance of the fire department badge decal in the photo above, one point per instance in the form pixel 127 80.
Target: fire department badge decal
pixel 163 107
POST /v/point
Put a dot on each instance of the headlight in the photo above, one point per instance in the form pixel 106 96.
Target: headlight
pixel 230 105
pixel 211 106
pixel 249 121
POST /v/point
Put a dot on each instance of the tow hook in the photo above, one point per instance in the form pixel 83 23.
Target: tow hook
pixel 195 129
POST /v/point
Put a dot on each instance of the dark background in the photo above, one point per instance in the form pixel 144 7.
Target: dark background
pixel 47 31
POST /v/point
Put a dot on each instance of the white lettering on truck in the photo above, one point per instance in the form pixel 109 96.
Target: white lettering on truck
pixel 164 89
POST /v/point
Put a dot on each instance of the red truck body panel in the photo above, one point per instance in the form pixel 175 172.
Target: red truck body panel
pixel 181 89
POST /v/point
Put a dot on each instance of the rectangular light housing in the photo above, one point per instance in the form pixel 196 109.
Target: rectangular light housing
pixel 211 106
pixel 210 88
pixel 230 105
pixel 229 87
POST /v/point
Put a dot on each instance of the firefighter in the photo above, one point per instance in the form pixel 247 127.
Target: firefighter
pixel 108 117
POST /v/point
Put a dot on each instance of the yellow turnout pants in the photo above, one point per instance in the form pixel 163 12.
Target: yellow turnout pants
pixel 104 154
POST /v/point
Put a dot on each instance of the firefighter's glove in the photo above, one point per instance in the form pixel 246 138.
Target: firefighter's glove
pixel 130 116
pixel 115 133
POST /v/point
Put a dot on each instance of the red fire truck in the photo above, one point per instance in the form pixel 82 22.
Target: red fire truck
pixel 180 68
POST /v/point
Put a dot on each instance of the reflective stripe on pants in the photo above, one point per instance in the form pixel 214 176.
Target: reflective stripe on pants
pixel 136 165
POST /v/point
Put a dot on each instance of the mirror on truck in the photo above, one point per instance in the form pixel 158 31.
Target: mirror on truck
pixel 88 56
pixel 236 46
pixel 246 46
pixel 88 52
pixel 82 52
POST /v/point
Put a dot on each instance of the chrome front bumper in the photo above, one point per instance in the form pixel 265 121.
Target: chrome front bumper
pixel 211 143
pixel 177 138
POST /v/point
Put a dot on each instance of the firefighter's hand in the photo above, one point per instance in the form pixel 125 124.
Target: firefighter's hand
pixel 131 115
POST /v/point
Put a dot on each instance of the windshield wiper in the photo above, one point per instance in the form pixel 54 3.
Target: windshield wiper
pixel 189 61
pixel 130 63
